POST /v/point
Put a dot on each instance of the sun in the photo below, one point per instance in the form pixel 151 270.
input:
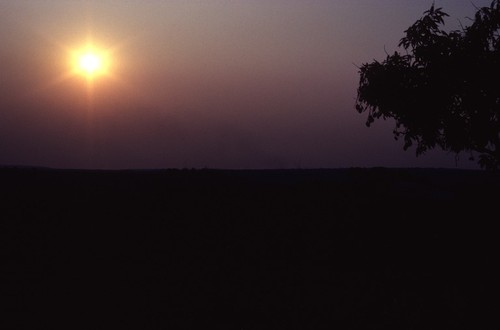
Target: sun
pixel 91 62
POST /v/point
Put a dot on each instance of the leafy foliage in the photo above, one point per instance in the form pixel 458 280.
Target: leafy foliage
pixel 444 90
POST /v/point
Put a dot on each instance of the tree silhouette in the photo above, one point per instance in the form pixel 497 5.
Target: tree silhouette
pixel 443 90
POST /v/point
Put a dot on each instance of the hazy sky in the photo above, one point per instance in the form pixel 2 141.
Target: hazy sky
pixel 218 84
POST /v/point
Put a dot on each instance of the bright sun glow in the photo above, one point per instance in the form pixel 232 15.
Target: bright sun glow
pixel 91 62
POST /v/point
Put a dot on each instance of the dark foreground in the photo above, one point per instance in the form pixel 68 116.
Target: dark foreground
pixel 305 249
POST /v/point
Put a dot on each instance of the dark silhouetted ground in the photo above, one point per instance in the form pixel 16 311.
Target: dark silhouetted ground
pixel 291 249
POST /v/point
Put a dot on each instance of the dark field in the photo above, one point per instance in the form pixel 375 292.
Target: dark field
pixel 296 249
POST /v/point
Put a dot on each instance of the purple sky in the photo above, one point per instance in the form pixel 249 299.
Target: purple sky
pixel 218 84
